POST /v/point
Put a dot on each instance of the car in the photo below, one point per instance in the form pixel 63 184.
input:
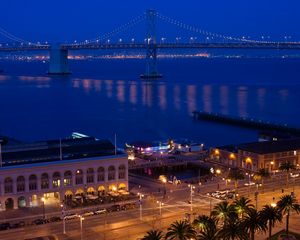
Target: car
pixel 100 211
pixel 87 214
pixel 39 221
pixel 55 219
pixel 4 226
pixel 249 183
pixel 114 208
pixel 71 216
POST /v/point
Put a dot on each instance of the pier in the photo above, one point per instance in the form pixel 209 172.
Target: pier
pixel 246 122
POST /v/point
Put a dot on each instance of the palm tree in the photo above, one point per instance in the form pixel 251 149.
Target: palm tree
pixel 233 229
pixel 286 205
pixel 223 211
pixel 153 235
pixel 287 166
pixel 262 174
pixel 242 205
pixel 207 227
pixel 235 174
pixel 203 222
pixel 270 215
pixel 180 230
pixel 253 222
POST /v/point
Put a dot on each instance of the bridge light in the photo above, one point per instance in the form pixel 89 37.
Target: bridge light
pixel 132 40
pixel 120 40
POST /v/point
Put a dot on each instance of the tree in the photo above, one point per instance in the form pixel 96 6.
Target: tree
pixel 262 174
pixel 286 205
pixel 235 174
pixel 233 229
pixel 180 230
pixel 153 235
pixel 242 205
pixel 270 215
pixel 223 211
pixel 287 167
pixel 203 222
pixel 207 227
pixel 253 222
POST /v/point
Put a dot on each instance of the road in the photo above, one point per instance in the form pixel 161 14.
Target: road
pixel 128 225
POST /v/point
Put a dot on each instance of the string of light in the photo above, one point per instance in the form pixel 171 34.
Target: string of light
pixel 114 32
pixel 206 33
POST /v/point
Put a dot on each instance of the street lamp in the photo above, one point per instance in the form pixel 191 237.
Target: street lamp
pixel 81 218
pixel 160 206
pixel 140 196
pixel 63 214
pixel 44 212
pixel 192 187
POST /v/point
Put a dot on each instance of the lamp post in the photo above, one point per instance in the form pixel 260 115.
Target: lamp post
pixel 81 218
pixel 44 211
pixel 63 214
pixel 140 196
pixel 160 206
pixel 192 187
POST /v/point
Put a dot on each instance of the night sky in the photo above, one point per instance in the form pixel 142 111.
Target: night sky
pixel 69 20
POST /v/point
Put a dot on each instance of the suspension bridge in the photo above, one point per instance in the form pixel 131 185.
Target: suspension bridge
pixel 58 63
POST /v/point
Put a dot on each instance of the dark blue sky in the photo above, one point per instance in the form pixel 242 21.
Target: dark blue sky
pixel 67 20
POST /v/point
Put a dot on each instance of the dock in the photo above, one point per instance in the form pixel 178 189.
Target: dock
pixel 246 122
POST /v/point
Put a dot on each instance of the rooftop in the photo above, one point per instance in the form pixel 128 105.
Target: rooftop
pixel 55 150
pixel 271 146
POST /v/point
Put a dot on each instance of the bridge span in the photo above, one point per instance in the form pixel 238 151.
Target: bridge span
pixel 59 52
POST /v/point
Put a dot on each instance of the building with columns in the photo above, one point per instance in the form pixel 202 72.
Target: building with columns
pixel 53 171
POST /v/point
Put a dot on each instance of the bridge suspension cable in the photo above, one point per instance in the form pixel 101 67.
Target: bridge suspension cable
pixel 14 38
pixel 116 31
pixel 205 33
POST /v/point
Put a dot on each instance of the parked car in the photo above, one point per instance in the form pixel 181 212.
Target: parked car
pixel 100 211
pixel 87 214
pixel 4 226
pixel 114 208
pixel 71 216
pixel 39 221
pixel 55 219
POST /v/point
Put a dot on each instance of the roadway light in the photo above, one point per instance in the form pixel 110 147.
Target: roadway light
pixel 192 187
pixel 44 212
pixel 81 220
pixel 140 201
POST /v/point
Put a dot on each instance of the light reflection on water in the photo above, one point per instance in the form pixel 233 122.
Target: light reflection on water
pixel 137 109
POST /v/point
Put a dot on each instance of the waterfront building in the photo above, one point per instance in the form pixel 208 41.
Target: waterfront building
pixel 256 155
pixel 51 172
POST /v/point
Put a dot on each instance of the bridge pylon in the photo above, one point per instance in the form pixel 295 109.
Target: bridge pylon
pixel 58 61
pixel 151 49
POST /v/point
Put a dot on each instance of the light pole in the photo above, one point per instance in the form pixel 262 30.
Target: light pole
pixel 44 212
pixel 140 196
pixel 63 214
pixel 192 187
pixel 160 206
pixel 81 218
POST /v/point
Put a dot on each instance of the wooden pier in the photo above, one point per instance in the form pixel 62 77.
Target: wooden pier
pixel 246 122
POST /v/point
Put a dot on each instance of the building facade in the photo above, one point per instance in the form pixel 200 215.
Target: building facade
pixel 253 156
pixel 30 185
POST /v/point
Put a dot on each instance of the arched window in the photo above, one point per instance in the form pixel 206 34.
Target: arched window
pixel 56 180
pixel 101 174
pixel 32 182
pixel 79 177
pixel 122 172
pixel 45 181
pixel 8 185
pixel 90 175
pixel 68 178
pixel 111 173
pixel 20 184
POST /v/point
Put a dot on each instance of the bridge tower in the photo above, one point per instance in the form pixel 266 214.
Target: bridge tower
pixel 58 61
pixel 151 48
